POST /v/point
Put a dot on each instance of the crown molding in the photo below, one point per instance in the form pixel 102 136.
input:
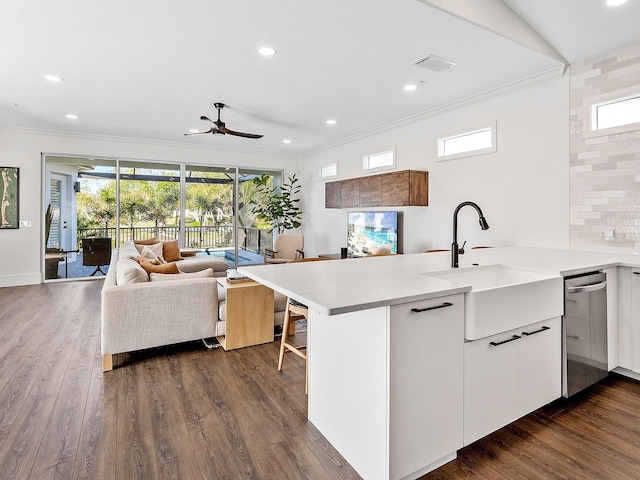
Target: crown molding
pixel 523 84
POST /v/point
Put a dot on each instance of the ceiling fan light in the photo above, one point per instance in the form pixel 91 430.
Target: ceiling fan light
pixel 267 51
pixel 615 3
pixel 194 130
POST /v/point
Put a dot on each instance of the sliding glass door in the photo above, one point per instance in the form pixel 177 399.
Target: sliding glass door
pixel 98 202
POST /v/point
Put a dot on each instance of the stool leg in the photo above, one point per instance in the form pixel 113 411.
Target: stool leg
pixel 283 339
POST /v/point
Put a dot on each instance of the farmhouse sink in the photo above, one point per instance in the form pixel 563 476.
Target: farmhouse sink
pixel 503 298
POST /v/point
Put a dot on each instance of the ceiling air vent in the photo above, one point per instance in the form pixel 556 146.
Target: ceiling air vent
pixel 433 62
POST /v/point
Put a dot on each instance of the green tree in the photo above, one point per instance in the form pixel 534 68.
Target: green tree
pixel 97 209
pixel 212 203
pixel 163 200
pixel 133 204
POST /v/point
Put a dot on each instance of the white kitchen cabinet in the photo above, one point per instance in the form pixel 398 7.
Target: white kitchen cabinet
pixel 625 330
pixel 508 375
pixel 385 385
pixel 635 319
pixel 540 362
pixel 629 318
pixel 425 383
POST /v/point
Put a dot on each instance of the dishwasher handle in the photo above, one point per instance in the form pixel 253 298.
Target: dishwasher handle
pixel 592 287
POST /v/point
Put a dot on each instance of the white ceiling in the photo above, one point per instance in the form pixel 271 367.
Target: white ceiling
pixel 149 69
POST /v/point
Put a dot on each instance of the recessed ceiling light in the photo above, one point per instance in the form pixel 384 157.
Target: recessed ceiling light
pixel 286 140
pixel 53 78
pixel 71 116
pixel 331 122
pixel 267 51
pixel 615 3
pixel 194 130
pixel 410 88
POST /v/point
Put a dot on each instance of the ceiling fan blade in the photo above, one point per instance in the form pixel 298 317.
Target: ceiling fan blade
pixel 206 118
pixel 240 134
pixel 201 133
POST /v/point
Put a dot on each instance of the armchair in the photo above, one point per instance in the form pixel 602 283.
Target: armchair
pixel 285 248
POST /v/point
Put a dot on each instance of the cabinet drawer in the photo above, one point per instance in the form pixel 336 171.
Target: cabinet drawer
pixel 490 384
pixel 509 375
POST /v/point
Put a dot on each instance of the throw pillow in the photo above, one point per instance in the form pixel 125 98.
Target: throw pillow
pixel 151 268
pixel 139 244
pixel 139 259
pixel 171 251
pixel 161 277
pixel 148 253
pixel 157 249
pixel 148 241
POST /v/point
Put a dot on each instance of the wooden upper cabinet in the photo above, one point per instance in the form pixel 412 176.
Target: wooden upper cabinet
pixel 350 193
pixel 332 192
pixel 405 188
pixel 371 191
pixel 409 187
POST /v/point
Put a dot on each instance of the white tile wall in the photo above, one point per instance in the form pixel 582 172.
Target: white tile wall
pixel 604 170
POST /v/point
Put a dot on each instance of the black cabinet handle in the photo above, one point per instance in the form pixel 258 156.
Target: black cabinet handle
pixel 495 344
pixel 445 304
pixel 526 334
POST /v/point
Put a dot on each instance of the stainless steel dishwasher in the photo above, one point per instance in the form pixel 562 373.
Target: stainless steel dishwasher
pixel 584 326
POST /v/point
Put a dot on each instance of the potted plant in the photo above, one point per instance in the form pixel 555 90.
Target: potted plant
pixel 277 206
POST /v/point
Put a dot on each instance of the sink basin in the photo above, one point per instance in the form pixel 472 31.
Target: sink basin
pixel 503 298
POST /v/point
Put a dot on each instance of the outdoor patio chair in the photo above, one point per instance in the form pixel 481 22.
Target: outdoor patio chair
pixel 96 252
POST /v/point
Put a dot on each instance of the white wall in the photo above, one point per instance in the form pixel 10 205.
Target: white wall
pixel 21 257
pixel 523 188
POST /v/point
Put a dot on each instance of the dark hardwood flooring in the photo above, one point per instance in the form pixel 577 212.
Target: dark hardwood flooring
pixel 185 412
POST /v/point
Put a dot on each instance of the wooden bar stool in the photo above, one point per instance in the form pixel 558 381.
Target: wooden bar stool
pixel 296 311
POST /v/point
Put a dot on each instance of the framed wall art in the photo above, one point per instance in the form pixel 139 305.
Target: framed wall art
pixel 9 199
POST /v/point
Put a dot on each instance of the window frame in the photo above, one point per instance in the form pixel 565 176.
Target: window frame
pixel 626 127
pixel 492 126
pixel 327 177
pixel 366 159
pixel 588 104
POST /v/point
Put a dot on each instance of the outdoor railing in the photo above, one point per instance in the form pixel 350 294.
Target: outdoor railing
pixel 219 236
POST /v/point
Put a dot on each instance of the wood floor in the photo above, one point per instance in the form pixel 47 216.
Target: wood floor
pixel 186 412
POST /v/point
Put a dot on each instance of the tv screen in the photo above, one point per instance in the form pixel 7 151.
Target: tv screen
pixel 366 231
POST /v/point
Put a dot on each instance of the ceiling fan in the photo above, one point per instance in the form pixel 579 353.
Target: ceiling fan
pixel 220 128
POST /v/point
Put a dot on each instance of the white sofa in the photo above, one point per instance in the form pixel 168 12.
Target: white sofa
pixel 139 313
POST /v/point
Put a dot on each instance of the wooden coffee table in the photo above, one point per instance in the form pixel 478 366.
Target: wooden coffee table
pixel 249 319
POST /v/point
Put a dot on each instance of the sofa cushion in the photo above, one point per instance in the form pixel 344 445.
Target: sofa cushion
pixel 161 277
pixel 128 271
pixel 197 263
pixel 151 268
pixel 279 302
pixel 171 251
pixel 128 250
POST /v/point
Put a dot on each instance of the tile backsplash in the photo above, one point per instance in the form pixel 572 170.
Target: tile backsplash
pixel 604 169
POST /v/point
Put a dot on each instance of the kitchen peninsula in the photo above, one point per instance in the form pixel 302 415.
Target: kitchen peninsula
pixel 386 343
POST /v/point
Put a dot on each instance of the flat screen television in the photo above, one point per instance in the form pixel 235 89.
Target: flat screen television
pixel 369 230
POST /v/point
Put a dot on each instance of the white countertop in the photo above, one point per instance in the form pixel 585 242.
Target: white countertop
pixel 340 286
